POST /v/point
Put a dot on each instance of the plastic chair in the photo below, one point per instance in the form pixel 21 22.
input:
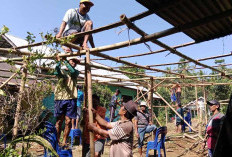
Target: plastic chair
pixel 158 143
pixel 50 135
pixel 75 133
pixel 3 136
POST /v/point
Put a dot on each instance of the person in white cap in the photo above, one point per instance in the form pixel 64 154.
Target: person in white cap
pixel 77 20
pixel 143 124
pixel 65 95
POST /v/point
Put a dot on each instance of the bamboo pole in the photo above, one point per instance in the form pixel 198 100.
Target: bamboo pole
pixel 202 59
pixel 200 84
pixel 11 59
pixel 140 91
pixel 12 76
pixel 85 102
pixel 19 102
pixel 197 102
pixel 150 53
pixel 166 114
pixel 150 90
pixel 156 119
pixel 132 64
pixel 206 118
pixel 90 103
pixel 150 100
pixel 130 25
pixel 175 111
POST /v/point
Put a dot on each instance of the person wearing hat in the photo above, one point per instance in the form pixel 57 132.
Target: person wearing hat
pixel 65 95
pixel 213 126
pixel 113 104
pixel 120 132
pixel 143 124
pixel 77 20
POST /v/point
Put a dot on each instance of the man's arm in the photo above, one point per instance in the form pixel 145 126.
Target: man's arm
pixel 62 27
pixel 57 71
pixel 97 130
pixel 136 127
pixel 72 70
pixel 103 122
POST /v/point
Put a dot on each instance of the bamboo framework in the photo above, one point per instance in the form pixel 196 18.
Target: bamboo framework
pixel 155 82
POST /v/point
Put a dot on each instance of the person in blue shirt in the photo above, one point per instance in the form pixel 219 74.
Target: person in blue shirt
pixel 80 98
pixel 179 121
pixel 113 104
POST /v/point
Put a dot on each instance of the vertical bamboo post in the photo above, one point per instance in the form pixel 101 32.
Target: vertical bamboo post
pixel 86 85
pixel 200 122
pixel 150 98
pixel 19 103
pixel 90 103
pixel 166 113
pixel 196 101
pixel 206 118
pixel 85 101
pixel 137 95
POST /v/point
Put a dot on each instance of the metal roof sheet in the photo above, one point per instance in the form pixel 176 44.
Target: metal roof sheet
pixel 217 13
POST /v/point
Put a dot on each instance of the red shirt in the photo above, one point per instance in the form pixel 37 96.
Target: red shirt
pixel 213 129
pixel 102 112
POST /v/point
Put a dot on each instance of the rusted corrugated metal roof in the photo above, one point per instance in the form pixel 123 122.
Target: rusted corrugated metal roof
pixel 217 13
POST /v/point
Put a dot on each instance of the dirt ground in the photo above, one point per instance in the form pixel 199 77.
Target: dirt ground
pixel 176 145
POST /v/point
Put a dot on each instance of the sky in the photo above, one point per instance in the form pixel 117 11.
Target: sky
pixel 36 16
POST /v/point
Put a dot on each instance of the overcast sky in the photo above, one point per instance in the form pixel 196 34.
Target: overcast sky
pixel 38 16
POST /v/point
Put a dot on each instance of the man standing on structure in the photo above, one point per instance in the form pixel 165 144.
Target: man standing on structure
pixel 177 88
pixel 213 126
pixel 113 104
pixel 77 20
pixel 143 124
pixel 65 95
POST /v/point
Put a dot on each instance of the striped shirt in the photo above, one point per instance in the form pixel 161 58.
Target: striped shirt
pixel 122 139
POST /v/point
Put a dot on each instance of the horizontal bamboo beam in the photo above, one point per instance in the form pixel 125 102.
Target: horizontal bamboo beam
pixel 11 59
pixel 200 84
pixel 132 64
pixel 4 83
pixel 202 59
pixel 149 53
pixel 130 25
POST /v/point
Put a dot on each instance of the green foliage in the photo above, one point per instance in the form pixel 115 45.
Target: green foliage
pixel 103 92
pixel 132 69
pixel 219 61
pixel 36 139
pixel 3 31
